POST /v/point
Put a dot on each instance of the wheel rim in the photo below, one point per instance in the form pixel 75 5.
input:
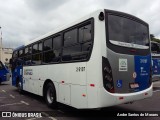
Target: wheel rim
pixel 50 97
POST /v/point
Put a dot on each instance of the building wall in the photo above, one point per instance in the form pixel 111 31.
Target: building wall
pixel 6 55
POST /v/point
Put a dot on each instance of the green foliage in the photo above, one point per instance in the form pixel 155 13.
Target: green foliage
pixel 154 39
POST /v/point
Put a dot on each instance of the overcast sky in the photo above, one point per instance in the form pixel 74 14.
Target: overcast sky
pixel 23 20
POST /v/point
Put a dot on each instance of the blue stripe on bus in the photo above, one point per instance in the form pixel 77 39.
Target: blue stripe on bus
pixel 17 73
pixel 142 68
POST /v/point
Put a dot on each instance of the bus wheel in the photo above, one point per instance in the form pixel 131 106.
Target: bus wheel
pixel 50 95
pixel 19 86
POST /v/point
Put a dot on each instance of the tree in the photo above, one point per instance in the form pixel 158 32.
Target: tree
pixel 154 39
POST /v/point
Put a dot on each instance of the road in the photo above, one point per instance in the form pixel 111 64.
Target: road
pixel 11 100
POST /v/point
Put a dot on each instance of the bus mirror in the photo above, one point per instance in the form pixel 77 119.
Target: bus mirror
pixel 101 16
pixel 10 61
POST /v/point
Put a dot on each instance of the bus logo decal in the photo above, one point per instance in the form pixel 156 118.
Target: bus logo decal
pixel 28 72
pixel 123 65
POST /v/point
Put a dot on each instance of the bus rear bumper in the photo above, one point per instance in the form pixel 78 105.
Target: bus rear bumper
pixel 111 99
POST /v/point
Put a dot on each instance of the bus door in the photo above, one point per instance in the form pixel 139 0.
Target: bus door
pixel 17 72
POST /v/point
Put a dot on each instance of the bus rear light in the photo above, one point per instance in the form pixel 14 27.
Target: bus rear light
pixel 121 98
pixel 146 94
pixel 107 75
pixel 132 50
pixel 92 85
pixel 84 95
pixel 111 90
pixel 62 81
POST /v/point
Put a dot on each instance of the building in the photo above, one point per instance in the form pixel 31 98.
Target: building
pixel 5 55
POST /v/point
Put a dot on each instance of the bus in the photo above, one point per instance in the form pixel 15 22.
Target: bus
pixel 4 73
pixel 155 48
pixel 100 60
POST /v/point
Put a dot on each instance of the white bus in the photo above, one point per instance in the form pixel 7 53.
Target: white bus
pixel 100 60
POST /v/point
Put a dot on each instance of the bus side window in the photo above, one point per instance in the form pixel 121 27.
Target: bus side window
pixel 72 53
pixel 70 37
pixel 77 49
pixel 85 33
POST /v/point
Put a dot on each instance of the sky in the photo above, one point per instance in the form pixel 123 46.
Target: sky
pixel 25 20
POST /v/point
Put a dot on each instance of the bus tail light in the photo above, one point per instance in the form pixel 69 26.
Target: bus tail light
pixel 146 94
pixel 107 75
pixel 121 98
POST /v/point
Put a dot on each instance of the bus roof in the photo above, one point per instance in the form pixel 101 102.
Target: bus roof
pixel 22 46
pixel 59 29
pixel 92 14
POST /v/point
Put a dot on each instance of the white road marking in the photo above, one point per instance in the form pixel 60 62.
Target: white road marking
pixel 32 118
pixel 12 96
pixel 10 104
pixel 52 118
pixel 156 91
pixel 24 102
pixel 60 111
pixel 3 90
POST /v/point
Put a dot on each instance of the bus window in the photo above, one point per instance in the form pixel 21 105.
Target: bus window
pixel 85 33
pixel 48 44
pixel 70 37
pixel 57 42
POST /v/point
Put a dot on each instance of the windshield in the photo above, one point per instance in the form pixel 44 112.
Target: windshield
pixel 155 47
pixel 128 33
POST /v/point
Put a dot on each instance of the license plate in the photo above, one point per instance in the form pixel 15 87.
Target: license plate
pixel 134 85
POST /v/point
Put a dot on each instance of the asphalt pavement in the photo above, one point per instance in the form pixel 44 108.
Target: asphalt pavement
pixel 32 107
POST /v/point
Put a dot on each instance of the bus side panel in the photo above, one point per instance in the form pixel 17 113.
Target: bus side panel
pixel 94 65
pixel 68 76
pixel 79 98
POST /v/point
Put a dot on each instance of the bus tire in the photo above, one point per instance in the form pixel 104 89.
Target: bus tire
pixel 50 95
pixel 19 86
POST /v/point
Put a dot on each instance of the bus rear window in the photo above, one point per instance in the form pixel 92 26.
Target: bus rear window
pixel 124 31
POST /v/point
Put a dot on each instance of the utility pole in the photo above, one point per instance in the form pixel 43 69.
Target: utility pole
pixel 0 44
